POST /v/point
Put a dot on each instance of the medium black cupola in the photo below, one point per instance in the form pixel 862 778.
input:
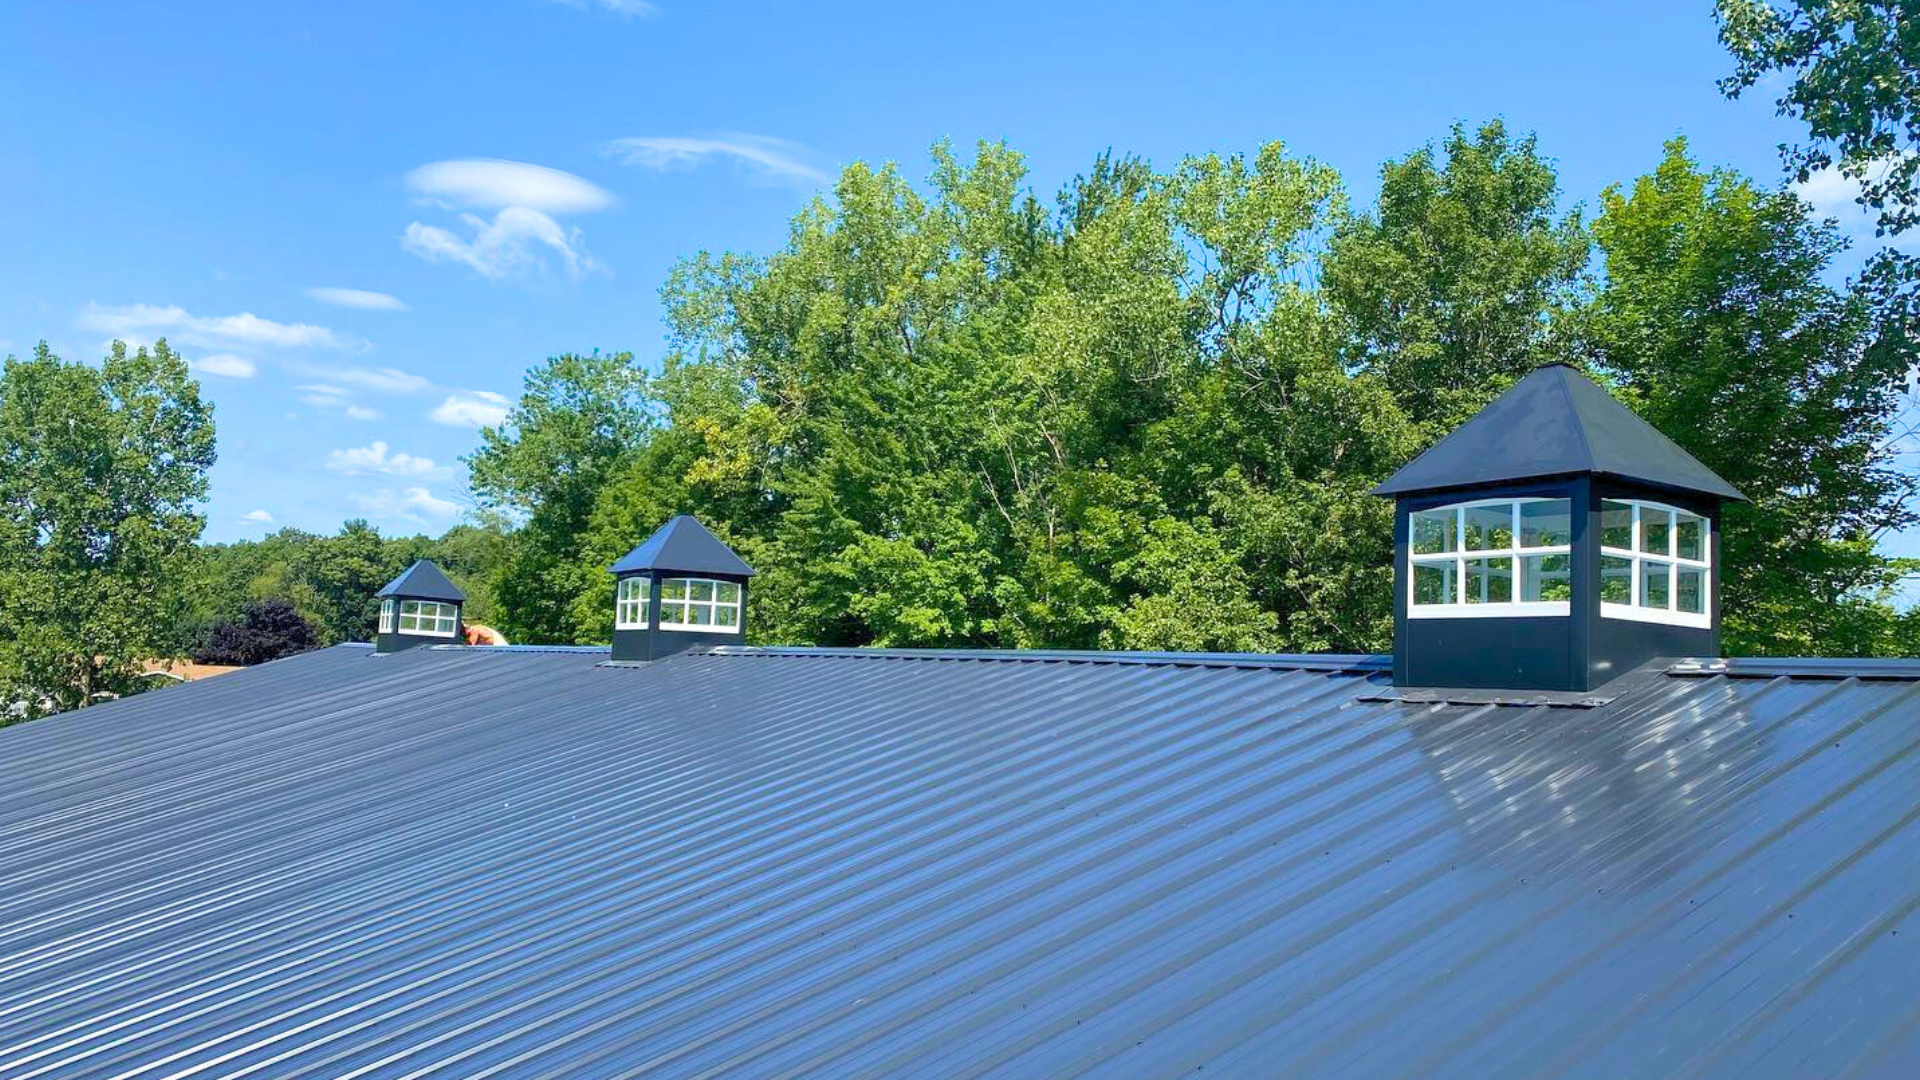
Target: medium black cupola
pixel 420 607
pixel 679 589
pixel 1552 542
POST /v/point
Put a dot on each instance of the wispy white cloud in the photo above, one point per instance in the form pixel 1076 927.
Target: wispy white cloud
pixel 145 321
pixel 260 516
pixel 510 244
pixel 376 458
pixel 226 365
pixel 359 299
pixel 384 379
pixel 329 396
pixel 624 8
pixel 491 184
pixel 472 409
pixel 412 504
pixel 772 159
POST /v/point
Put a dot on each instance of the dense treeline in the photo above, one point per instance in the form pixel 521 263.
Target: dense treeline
pixel 328 581
pixel 1144 415
pixel 1148 414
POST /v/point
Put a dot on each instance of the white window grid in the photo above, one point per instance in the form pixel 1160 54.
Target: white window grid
pixel 1457 560
pixel 428 617
pixel 702 605
pixel 1642 564
pixel 630 603
pixel 386 615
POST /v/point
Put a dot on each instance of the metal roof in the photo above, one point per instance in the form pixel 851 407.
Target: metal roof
pixel 423 581
pixel 768 863
pixel 684 546
pixel 1555 422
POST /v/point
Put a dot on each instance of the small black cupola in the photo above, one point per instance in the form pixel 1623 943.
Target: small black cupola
pixel 1552 542
pixel 420 607
pixel 679 589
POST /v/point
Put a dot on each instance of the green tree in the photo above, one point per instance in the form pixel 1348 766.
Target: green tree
pixel 1718 324
pixel 1449 290
pixel 579 420
pixel 101 472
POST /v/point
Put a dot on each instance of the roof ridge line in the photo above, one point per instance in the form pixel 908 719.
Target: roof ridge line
pixel 1368 663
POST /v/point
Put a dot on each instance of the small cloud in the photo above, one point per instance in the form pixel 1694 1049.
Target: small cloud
pixel 510 244
pixel 148 321
pixel 775 159
pixel 385 379
pixel 260 516
pixel 627 9
pixel 375 458
pixel 1833 194
pixel 360 299
pixel 414 504
pixel 1830 193
pixel 226 365
pixel 490 184
pixel 472 409
pixel 328 396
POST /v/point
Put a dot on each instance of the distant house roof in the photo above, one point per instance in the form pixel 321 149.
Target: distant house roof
pixel 1555 422
pixel 424 581
pixel 780 862
pixel 683 545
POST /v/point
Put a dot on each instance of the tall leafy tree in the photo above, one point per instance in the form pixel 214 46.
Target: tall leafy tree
pixel 578 421
pixel 1719 325
pixel 1449 288
pixel 101 473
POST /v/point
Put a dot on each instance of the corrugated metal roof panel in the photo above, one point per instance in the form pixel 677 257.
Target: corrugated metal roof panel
pixel 493 862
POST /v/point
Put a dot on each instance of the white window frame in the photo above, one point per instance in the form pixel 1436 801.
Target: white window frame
pixel 711 605
pixel 1671 615
pixel 443 618
pixel 631 598
pixel 386 615
pixel 1460 556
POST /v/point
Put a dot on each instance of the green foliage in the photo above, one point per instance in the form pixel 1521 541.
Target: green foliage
pixel 1451 289
pixel 1150 414
pixel 331 580
pixel 946 416
pixel 100 473
pixel 580 419
pixel 1718 325
pixel 1854 77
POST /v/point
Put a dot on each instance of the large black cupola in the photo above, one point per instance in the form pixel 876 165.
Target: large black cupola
pixel 420 607
pixel 679 589
pixel 1552 542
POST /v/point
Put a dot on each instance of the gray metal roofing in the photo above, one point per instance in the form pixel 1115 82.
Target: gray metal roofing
pixel 683 545
pixel 481 862
pixel 1555 422
pixel 424 580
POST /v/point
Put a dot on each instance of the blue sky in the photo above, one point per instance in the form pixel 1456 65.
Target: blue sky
pixel 364 221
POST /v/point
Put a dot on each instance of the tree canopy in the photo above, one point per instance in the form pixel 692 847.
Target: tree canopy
pixel 1144 413
pixel 1148 414
pixel 101 472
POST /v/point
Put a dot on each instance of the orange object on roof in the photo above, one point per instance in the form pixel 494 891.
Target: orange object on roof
pixel 484 635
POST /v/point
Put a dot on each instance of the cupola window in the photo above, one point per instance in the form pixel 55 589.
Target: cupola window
pixel 1491 557
pixel 630 603
pixel 386 615
pixel 700 604
pixel 1655 563
pixel 428 617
